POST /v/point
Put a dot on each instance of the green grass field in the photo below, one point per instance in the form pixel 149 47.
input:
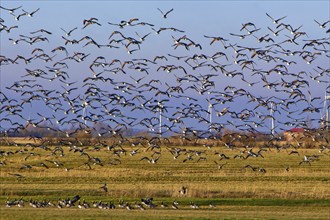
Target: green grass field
pixel 286 190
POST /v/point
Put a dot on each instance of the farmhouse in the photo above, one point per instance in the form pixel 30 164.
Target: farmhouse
pixel 294 133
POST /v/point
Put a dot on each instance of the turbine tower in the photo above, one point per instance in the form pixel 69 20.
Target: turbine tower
pixel 272 131
pixel 326 104
pixel 160 119
pixel 326 109
pixel 85 104
pixel 210 112
pixel 210 115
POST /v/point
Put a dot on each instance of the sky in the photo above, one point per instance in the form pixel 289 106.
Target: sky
pixel 196 18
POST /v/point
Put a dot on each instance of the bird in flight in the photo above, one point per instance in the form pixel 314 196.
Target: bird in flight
pixel 68 33
pixel 323 25
pixel 104 187
pixel 11 10
pixel 30 14
pixel 166 13
pixel 275 21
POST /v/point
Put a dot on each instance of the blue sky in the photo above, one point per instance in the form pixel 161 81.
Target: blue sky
pixel 196 18
pixel 213 18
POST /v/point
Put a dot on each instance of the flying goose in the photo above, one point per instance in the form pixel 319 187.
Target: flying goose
pixel 42 31
pixel 31 13
pixel 8 29
pixel 87 22
pixel 322 25
pixel 220 166
pixel 11 10
pixel 165 13
pixel 275 33
pixel 152 160
pixel 275 21
pixel 104 187
pixel 68 33
pixel 16 175
pixel 17 17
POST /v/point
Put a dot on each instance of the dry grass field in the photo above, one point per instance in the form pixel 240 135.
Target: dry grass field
pixel 164 110
pixel 274 186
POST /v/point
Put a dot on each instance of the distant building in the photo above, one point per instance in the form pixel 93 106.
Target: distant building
pixel 294 133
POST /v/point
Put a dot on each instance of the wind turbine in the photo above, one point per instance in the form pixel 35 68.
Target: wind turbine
pixel 160 106
pixel 326 109
pixel 272 131
pixel 210 111
pixel 159 113
pixel 85 105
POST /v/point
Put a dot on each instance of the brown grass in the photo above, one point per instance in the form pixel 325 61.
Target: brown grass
pixel 134 179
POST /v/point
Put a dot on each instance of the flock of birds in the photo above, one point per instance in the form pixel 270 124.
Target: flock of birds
pixel 143 204
pixel 164 94
pixel 181 89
